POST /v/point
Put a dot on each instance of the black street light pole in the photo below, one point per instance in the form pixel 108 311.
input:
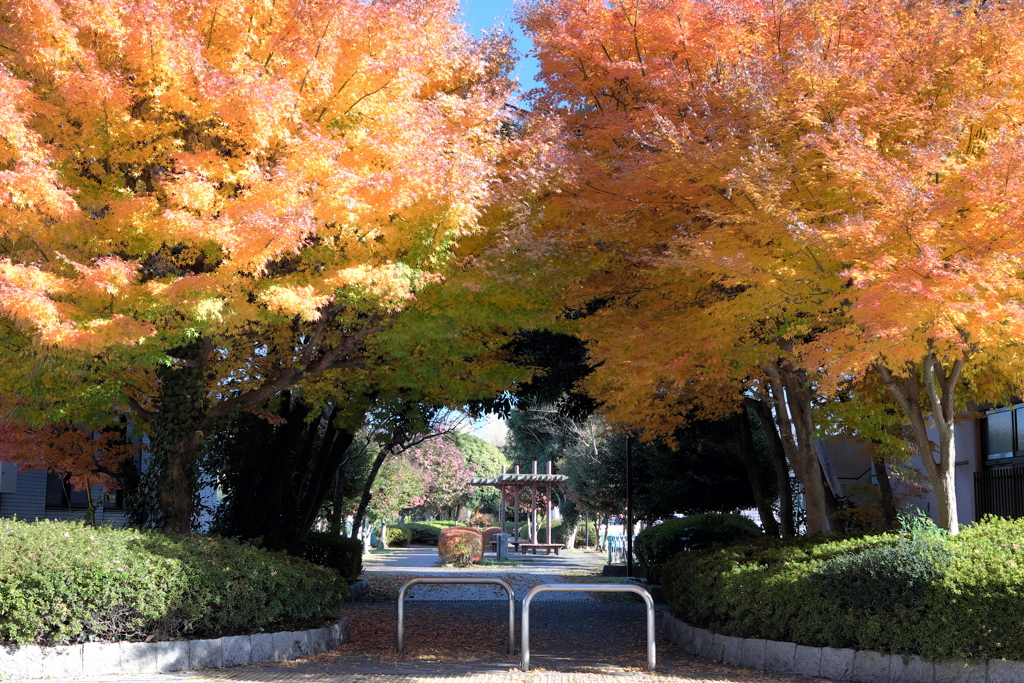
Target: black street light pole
pixel 629 506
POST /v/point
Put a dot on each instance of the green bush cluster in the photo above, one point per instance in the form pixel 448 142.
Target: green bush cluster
pixel 956 597
pixel 345 555
pixel 657 544
pixel 66 583
pixel 425 533
pixel 397 537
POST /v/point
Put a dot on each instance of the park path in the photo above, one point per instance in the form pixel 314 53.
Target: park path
pixel 449 639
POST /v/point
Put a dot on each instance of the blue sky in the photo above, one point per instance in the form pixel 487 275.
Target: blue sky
pixel 485 14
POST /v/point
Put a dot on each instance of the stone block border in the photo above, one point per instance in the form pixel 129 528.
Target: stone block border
pixel 98 659
pixel 862 666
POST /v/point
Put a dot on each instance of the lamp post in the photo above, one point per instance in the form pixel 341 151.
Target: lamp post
pixel 629 506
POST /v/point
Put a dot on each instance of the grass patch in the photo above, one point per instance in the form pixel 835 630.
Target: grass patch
pixel 494 562
pixel 591 577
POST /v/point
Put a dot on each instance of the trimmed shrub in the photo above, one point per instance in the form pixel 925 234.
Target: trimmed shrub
pixel 487 536
pixel 398 537
pixel 657 544
pixel 461 546
pixel 557 532
pixel 883 576
pixel 954 597
pixel 426 533
pixel 337 552
pixel 64 583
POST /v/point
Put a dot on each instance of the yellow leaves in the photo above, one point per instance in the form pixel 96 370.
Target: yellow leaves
pixel 303 302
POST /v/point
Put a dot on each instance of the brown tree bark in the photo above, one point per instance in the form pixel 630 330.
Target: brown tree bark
pixel 792 394
pixel 750 463
pixel 764 414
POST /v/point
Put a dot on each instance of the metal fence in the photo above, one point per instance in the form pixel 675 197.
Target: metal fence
pixel 400 640
pixel 524 643
pixel 1000 492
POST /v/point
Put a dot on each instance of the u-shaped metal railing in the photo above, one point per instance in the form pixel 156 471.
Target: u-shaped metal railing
pixel 467 581
pixel 589 588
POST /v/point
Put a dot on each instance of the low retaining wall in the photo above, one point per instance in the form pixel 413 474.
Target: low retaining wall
pixel 864 666
pixel 32 661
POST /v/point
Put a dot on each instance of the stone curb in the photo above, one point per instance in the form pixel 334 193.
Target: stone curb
pixel 95 659
pixel 862 666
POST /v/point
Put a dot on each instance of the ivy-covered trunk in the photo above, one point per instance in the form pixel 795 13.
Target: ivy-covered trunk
pixel 172 473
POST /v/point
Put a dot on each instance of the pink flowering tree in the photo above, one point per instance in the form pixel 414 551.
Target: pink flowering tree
pixel 445 471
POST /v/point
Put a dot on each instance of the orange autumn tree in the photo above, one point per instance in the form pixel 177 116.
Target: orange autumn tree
pixel 706 295
pixel 207 202
pixel 924 160
pixel 786 193
pixel 87 458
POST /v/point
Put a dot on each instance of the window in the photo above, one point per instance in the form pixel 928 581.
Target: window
pixel 1002 433
pixel 59 493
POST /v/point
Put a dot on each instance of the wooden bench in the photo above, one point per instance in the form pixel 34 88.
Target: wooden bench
pixel 546 547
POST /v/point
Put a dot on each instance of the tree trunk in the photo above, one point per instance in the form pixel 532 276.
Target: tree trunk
pixel 173 467
pixel 792 394
pixel 940 389
pixel 885 490
pixel 332 451
pixel 764 508
pixel 364 501
pixel 767 420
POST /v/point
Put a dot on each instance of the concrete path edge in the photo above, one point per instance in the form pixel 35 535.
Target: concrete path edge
pixel 91 659
pixel 862 666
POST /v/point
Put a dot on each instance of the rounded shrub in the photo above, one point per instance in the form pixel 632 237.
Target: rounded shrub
pixel 66 583
pixel 460 546
pixel 657 544
pixel 345 555
pixel 426 533
pixel 398 537
pixel 487 536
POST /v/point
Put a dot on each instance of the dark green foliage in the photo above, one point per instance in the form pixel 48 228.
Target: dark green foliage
pixel 276 477
pixel 68 583
pixel 398 537
pixel 971 606
pixel 337 552
pixel 886 575
pixel 488 461
pixel 657 544
pixel 426 533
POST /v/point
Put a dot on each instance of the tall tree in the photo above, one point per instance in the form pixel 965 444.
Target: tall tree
pixel 206 203
pixel 777 195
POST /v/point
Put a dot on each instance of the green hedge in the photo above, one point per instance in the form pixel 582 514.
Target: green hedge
pixel 69 583
pixel 425 533
pixel 397 537
pixel 657 544
pixel 345 555
pixel 938 597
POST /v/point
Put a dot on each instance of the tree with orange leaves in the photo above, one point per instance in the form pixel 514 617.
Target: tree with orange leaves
pixel 205 203
pixel 85 457
pixel 774 197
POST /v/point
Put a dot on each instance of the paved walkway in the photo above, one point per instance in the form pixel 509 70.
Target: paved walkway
pixel 450 641
pixel 522 572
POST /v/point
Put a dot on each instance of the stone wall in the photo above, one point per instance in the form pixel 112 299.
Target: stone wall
pixel 94 659
pixel 863 666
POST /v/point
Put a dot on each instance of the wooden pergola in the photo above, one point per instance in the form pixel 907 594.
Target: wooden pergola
pixel 517 481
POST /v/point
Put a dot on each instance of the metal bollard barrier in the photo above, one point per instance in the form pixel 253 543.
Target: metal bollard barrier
pixel 524 643
pixel 449 581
